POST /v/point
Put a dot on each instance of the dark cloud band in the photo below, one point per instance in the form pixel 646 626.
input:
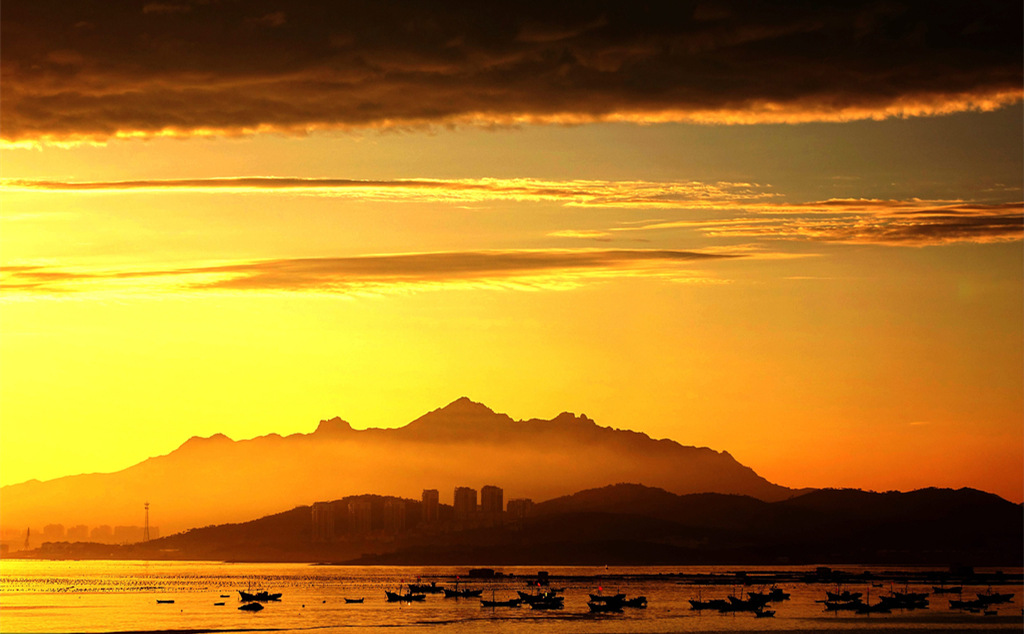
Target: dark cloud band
pixel 98 69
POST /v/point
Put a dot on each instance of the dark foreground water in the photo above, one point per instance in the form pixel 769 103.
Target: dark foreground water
pixel 121 596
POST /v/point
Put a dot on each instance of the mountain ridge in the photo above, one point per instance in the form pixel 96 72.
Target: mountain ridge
pixel 216 479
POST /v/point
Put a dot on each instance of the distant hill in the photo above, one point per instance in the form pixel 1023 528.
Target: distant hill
pixel 217 480
pixel 632 524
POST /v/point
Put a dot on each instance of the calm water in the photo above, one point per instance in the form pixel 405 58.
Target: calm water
pixel 121 596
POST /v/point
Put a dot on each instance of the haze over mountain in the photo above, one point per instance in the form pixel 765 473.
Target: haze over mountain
pixel 216 480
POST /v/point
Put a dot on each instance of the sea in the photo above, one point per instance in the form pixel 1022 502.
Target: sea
pixel 192 597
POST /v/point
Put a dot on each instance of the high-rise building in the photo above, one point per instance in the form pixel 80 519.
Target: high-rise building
pixel 78 533
pixel 102 534
pixel 323 522
pixel 53 532
pixel 431 505
pixel 491 504
pixel 360 516
pixel 393 516
pixel 520 509
pixel 128 534
pixel 465 504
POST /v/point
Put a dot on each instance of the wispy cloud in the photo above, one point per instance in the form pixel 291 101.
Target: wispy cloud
pixel 897 224
pixel 581 193
pixel 741 210
pixel 191 67
pixel 523 269
pixel 911 222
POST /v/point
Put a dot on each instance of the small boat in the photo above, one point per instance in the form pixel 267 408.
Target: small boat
pixel 347 600
pixel 950 590
pixel 225 596
pixel 165 600
pixel 465 593
pixel 775 594
pixel 743 605
pixel 426 588
pixel 607 598
pixel 994 598
pixel 219 603
pixel 843 597
pixel 905 600
pixel 530 599
pixel 255 606
pixel 259 597
pixel 408 597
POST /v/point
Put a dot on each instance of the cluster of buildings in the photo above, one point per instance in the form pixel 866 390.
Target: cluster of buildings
pixel 13 540
pixel 377 515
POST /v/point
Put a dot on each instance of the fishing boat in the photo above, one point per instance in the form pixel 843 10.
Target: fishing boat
pixel 408 597
pixel 426 588
pixel 774 594
pixel 994 598
pixel 259 597
pixel 165 600
pixel 843 597
pixel 530 599
pixel 464 593
pixel 347 600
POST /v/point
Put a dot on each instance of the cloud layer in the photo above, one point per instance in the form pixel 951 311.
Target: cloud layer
pixel 581 193
pixel 100 69
pixel 374 273
pixel 743 210
pixel 882 222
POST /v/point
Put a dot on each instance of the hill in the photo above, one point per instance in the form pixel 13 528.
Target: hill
pixel 628 524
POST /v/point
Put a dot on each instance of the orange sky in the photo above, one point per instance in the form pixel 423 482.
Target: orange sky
pixel 823 278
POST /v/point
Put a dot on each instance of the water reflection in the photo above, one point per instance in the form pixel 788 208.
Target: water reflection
pixel 96 596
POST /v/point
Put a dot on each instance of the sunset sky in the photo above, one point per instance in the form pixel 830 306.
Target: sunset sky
pixel 789 232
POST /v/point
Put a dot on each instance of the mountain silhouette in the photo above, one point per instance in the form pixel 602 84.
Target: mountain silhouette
pixel 216 480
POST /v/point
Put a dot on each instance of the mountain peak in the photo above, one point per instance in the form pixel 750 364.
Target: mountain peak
pixel 333 427
pixel 569 417
pixel 463 406
pixel 201 441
